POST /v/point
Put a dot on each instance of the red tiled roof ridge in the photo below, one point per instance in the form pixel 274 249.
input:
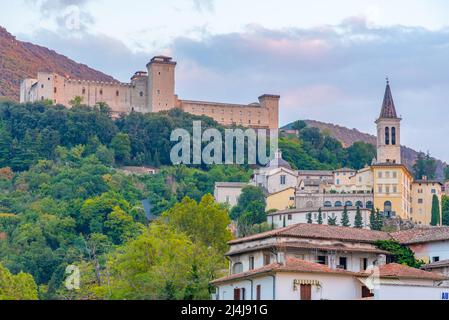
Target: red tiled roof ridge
pixel 290 265
pixel 361 235
pixel 396 270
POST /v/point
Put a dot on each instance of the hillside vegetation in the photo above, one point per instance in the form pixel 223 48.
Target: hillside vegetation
pixel 64 203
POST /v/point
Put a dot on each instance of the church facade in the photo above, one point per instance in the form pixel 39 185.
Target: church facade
pixel 152 90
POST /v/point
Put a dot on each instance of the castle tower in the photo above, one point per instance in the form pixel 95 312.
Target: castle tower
pixel 161 84
pixel 388 131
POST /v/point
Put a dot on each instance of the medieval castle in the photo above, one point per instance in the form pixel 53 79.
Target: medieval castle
pixel 149 91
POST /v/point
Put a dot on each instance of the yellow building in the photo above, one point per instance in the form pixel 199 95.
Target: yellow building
pixel 281 200
pixel 422 198
pixel 392 189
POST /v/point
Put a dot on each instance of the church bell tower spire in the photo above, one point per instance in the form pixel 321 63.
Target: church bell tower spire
pixel 388 131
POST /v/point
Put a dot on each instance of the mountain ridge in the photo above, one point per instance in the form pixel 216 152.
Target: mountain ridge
pixel 19 60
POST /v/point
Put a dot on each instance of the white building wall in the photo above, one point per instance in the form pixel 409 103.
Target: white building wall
pixel 430 250
pixel 408 292
pixel 301 217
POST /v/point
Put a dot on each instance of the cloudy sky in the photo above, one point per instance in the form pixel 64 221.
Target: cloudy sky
pixel 327 59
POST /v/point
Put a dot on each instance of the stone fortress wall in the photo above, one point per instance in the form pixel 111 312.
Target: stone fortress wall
pixel 149 91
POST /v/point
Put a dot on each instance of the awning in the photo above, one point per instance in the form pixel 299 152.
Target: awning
pixel 298 282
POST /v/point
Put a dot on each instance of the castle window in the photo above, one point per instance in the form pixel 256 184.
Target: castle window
pixel 117 93
pixel 101 91
pixel 393 136
pixel 42 86
pixel 55 90
pixel 387 136
pixel 141 93
pixel 158 91
pixel 84 90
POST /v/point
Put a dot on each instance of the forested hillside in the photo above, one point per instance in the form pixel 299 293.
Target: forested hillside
pixel 63 202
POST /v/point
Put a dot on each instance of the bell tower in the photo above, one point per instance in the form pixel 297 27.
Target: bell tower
pixel 388 131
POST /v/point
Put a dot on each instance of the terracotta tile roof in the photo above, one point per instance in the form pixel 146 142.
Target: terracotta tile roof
pixel 395 270
pixel 301 245
pixel 316 231
pixel 421 235
pixel 291 265
pixel 439 264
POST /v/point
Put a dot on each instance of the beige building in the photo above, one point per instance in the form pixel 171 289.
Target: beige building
pixel 422 198
pixel 149 91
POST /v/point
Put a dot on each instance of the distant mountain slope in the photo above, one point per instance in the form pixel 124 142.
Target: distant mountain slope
pixel 20 60
pixel 349 136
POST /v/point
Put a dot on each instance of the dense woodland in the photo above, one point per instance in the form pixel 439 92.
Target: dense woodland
pixel 63 201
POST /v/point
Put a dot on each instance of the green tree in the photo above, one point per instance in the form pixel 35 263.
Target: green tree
pixel 401 254
pixel 360 154
pixel 379 220
pixel 435 211
pixel 445 209
pixel 425 166
pixel 320 216
pixel 205 222
pixel 358 222
pixel 309 218
pixel 446 173
pixel 250 208
pixel 345 218
pixel 16 287
pixel 372 220
pixel 121 144
pixel 332 221
pixel 76 101
pixel 161 264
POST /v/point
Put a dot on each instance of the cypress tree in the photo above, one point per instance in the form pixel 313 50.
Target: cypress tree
pixel 309 218
pixel 372 219
pixel 345 218
pixel 358 222
pixel 435 211
pixel 379 220
pixel 320 216
pixel 332 221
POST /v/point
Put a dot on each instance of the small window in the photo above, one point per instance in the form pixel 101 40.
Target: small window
pixel 259 292
pixel 435 259
pixel 42 86
pixel 55 90
pixel 266 259
pixel 141 93
pixel 101 91
pixel 283 180
pixel 420 201
pixel 290 217
pixel 237 268
pixel 434 191
pixel 117 93
pixel 343 263
pixel 251 263
pixel 84 91
pixel 321 260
